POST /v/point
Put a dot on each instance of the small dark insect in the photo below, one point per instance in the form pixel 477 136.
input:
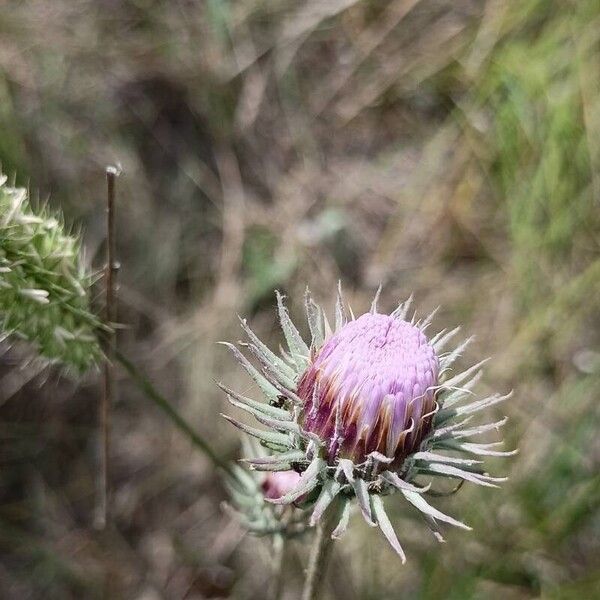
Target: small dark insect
pixel 298 467
pixel 279 402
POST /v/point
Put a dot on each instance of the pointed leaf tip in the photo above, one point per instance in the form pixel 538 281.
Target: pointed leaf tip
pixel 362 496
pixel 329 491
pixel 373 309
pixel 342 525
pixel 421 504
pixel 386 526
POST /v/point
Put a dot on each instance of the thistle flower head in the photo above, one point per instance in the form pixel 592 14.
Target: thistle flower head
pixel 371 388
pixel 44 290
pixel 369 409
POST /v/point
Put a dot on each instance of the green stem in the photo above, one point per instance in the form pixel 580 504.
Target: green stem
pixel 152 394
pixel 278 562
pixel 320 553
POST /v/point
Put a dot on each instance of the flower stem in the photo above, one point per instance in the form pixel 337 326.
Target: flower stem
pixel 143 383
pixel 278 560
pixel 320 553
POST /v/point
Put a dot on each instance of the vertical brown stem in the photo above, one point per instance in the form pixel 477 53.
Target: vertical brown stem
pixel 108 392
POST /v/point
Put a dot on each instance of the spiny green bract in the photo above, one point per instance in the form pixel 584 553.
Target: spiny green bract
pixel 44 289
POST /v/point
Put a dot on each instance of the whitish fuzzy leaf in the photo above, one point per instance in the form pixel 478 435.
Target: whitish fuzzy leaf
pixel 440 343
pixel 342 525
pixel 376 457
pixel 433 457
pixel 481 404
pixel 463 433
pixel 314 317
pixel 443 415
pixel 373 309
pixel 255 407
pixel 288 426
pixel 293 456
pixel 340 311
pixel 255 412
pixel 419 502
pixel 283 390
pixel 347 467
pixel 297 347
pixel 423 325
pixel 274 467
pixel 351 313
pixel 402 310
pixel 448 360
pixel 252 447
pixel 434 528
pixel 386 527
pixel 433 340
pixel 458 379
pixel 242 479
pixel 275 372
pixel 329 491
pixel 485 449
pixel 285 355
pixel 362 496
pixel 268 353
pixel 451 397
pixel 393 479
pixel 451 471
pixel 272 437
pixel 326 327
pixel 446 432
pixel 267 388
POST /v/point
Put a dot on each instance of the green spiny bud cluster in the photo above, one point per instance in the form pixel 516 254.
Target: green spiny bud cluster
pixel 44 289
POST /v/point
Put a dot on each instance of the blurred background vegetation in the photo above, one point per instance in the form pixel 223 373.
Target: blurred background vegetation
pixel 449 148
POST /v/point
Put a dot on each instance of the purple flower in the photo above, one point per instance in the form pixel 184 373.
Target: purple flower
pixel 371 388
